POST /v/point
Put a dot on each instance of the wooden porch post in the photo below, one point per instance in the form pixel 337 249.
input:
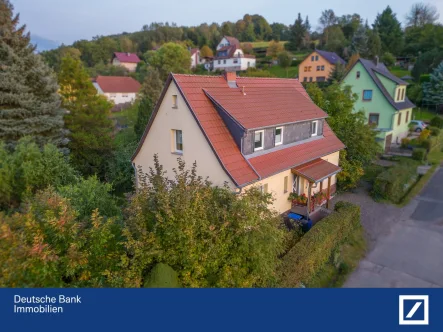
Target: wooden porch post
pixel 329 192
pixel 309 199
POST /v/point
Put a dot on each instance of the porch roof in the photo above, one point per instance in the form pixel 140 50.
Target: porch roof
pixel 316 170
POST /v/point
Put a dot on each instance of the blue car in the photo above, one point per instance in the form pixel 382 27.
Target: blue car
pixel 417 125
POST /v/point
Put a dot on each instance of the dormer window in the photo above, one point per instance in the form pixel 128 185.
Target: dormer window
pixel 258 140
pixel 278 136
pixel 314 128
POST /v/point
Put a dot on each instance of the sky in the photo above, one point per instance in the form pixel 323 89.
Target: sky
pixel 68 20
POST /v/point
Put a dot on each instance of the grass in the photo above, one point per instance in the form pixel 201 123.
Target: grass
pixel 278 71
pixel 261 44
pixel 423 114
pixel 399 72
pixel 335 273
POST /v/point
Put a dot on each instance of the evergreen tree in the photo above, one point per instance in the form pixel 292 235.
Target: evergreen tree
pixel 374 44
pixel 360 41
pixel 29 104
pixel 433 90
pixel 88 118
pixel 307 25
pixel 145 108
pixel 297 34
pixel 390 31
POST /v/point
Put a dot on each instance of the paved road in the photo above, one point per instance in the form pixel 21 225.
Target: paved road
pixel 405 244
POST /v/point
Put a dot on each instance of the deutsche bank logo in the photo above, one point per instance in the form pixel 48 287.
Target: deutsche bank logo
pixel 414 309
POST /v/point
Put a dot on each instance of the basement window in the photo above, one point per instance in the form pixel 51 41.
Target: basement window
pixel 258 140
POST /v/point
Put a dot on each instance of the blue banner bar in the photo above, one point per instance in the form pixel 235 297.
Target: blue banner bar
pixel 310 310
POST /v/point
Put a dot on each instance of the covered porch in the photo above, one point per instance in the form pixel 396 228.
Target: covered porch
pixel 312 188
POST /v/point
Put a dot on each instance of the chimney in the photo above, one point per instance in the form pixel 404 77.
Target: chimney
pixel 231 78
pixel 243 90
pixel 376 60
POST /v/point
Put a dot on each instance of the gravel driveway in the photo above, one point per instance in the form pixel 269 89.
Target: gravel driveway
pixel 405 244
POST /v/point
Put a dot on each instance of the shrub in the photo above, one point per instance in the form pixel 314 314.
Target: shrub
pixel 435 131
pixel 437 121
pixel 29 168
pixel 419 154
pixel 90 194
pixel 424 135
pixel 47 246
pixel 394 182
pixel 405 142
pixel 317 247
pixel 162 276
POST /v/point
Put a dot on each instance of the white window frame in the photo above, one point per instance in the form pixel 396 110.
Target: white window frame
pixel 262 140
pixel 316 128
pixel 175 150
pixel 281 136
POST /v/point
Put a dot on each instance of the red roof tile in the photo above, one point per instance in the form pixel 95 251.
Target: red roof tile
pixel 218 135
pixel 127 57
pixel 277 161
pixel 117 84
pixel 193 51
pixel 259 103
pixel 316 170
pixel 214 127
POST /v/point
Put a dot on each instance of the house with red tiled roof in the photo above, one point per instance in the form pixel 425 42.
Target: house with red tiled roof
pixel 230 57
pixel 244 132
pixel 118 89
pixel 127 60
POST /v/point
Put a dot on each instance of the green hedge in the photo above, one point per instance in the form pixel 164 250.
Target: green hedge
pixel 394 183
pixel 435 131
pixel 317 246
pixel 162 276
pixel 437 121
pixel 419 154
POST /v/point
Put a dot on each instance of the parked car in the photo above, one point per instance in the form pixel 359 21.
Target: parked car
pixel 417 125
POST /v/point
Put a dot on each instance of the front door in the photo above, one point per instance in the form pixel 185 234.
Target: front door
pixel 388 141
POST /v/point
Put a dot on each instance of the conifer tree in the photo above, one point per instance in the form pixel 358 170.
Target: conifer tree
pixel 29 104
pixel 88 119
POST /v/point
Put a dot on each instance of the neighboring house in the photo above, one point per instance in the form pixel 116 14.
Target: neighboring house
pixel 244 132
pixel 318 66
pixel 382 97
pixel 197 60
pixel 230 57
pixel 127 60
pixel 119 89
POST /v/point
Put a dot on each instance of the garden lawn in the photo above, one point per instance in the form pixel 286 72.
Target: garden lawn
pixel 278 71
pixel 423 114
pixel 399 72
pixel 261 44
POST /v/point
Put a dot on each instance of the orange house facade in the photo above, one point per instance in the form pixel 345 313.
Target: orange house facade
pixel 318 66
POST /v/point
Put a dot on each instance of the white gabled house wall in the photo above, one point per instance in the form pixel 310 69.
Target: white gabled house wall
pixel 160 140
pixel 117 98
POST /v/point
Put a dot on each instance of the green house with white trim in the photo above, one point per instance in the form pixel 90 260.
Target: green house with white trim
pixel 382 97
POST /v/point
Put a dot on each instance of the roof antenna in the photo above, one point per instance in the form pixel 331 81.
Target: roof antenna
pixel 243 90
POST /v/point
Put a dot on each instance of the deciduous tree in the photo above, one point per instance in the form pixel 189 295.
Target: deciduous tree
pixel 88 119
pixel 170 58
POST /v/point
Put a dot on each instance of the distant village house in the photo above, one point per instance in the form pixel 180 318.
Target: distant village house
pixel 118 89
pixel 127 60
pixel 318 66
pixel 230 57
